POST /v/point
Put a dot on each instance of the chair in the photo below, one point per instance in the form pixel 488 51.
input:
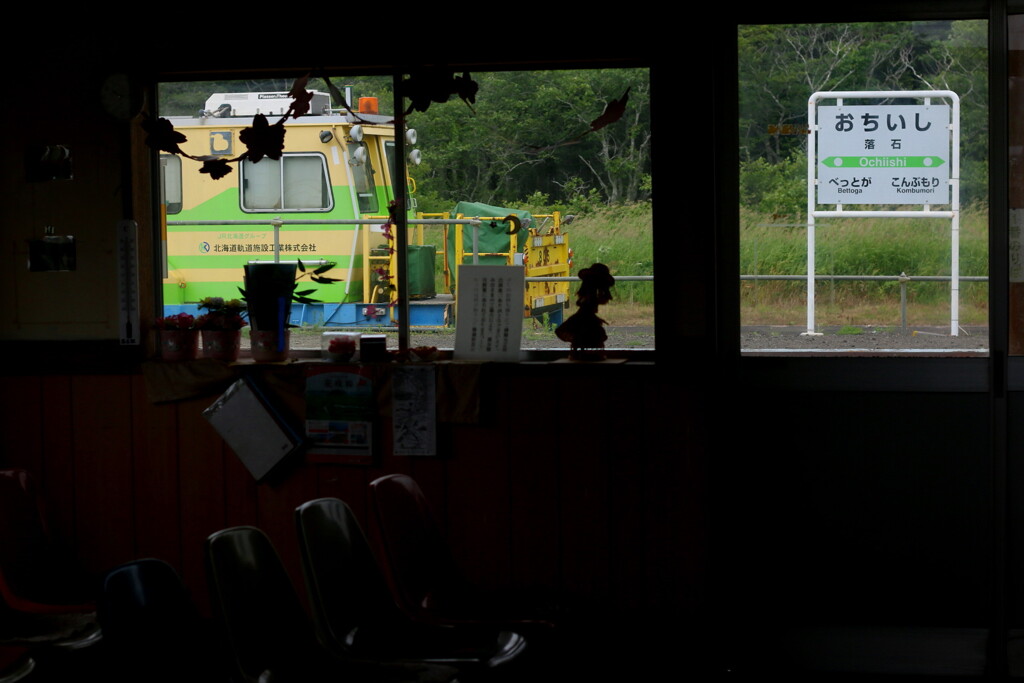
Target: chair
pixel 354 611
pixel 150 625
pixel 43 600
pixel 424 578
pixel 15 664
pixel 269 634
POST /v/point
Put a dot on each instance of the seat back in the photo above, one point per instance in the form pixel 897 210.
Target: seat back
pixel 24 540
pixel 256 603
pixel 418 562
pixel 15 664
pixel 34 577
pixel 346 587
pixel 142 601
pixel 151 625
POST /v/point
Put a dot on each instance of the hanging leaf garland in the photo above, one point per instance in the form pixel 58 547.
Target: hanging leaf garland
pixel 438 84
pixel 217 167
pixel 261 139
pixel 301 98
pixel 161 135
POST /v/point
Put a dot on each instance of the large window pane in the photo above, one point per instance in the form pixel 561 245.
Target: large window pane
pixel 882 284
pixel 527 146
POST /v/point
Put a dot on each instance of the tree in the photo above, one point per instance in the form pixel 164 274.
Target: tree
pixel 781 65
pixel 529 133
pixel 526 137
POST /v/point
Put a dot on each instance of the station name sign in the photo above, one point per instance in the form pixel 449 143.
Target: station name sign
pixel 883 154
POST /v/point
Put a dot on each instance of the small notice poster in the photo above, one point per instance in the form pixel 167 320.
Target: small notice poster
pixel 489 318
pixel 414 410
pixel 340 411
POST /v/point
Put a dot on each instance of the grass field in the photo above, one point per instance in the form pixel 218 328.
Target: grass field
pixel 861 246
pixel 621 238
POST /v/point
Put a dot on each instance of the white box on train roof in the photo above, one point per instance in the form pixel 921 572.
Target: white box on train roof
pixel 267 103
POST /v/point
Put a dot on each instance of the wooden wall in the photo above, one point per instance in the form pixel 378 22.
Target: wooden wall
pixel 590 485
pixel 861 508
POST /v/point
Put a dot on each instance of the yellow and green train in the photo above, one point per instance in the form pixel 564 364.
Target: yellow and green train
pixel 336 167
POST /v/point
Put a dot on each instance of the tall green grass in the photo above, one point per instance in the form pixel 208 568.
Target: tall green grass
pixel 862 246
pixel 621 237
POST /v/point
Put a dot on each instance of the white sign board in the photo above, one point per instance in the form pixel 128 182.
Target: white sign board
pixel 883 154
pixel 489 313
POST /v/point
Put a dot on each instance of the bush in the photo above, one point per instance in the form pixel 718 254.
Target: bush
pixel 775 188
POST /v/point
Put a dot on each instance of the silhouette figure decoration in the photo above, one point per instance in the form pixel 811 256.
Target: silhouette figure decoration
pixel 584 330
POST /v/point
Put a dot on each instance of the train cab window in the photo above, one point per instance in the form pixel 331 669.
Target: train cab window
pixel 298 182
pixel 361 172
pixel 389 154
pixel 389 157
pixel 170 177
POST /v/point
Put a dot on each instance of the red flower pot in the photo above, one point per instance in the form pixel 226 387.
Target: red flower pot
pixel 179 344
pixel 266 348
pixel 222 344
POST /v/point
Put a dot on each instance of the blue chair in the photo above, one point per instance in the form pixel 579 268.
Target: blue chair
pixel 151 628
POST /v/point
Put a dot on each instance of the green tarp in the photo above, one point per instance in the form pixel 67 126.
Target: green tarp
pixel 421 271
pixel 493 237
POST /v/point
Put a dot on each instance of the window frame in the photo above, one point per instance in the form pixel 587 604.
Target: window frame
pixel 166 161
pixel 325 178
pixel 895 373
pixel 691 335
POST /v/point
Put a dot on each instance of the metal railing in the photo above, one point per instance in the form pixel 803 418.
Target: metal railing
pixel 902 278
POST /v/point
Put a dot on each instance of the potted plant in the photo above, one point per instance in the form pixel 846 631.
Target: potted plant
pixel 270 289
pixel 221 327
pixel 179 338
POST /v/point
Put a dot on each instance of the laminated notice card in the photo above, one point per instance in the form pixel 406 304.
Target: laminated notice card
pixel 489 317
pixel 340 411
pixel 258 434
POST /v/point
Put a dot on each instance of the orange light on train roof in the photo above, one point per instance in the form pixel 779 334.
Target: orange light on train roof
pixel 367 105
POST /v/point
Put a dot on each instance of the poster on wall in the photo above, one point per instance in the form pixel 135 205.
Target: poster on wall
pixel 414 409
pixel 340 411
